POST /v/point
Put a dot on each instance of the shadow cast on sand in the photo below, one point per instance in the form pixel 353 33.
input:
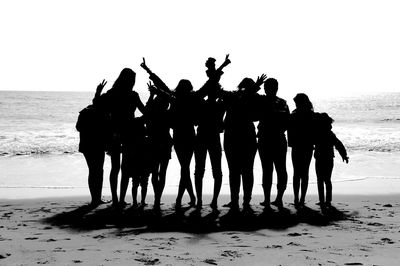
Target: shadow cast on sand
pixel 190 220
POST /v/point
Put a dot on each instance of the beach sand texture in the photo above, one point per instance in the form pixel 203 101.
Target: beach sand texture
pixel 360 230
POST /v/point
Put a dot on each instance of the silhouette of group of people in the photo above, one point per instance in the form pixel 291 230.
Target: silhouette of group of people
pixel 141 146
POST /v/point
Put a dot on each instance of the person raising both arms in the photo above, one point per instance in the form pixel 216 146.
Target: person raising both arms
pixel 210 125
pixel 184 105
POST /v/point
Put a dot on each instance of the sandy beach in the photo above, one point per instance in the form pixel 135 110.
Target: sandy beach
pixel 45 219
pixel 359 230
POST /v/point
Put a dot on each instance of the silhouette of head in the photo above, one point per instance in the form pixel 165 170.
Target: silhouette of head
pixel 325 121
pixel 210 63
pixel 184 88
pixel 303 103
pixel 125 81
pixel 245 84
pixel 271 87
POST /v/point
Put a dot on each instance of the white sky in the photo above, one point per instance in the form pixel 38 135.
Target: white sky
pixel 318 47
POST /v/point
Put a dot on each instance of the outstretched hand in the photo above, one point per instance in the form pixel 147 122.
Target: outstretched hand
pixel 345 159
pixel 144 66
pixel 227 60
pixel 100 87
pixel 152 89
pixel 261 79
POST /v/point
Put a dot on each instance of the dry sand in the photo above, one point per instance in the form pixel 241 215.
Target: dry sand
pixel 360 230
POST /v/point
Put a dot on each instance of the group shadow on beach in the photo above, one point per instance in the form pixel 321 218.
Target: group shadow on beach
pixel 191 220
pixel 140 147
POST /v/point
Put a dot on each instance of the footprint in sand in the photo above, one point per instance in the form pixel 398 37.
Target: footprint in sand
pixel 31 238
pixel 387 240
pixel 231 253
pixel 274 246
pixel 5 255
pixel 210 261
pixel 148 261
pixel 295 244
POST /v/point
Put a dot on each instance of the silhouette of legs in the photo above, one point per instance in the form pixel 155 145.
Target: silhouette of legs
pixel 212 144
pixel 323 169
pixel 184 151
pixel 200 155
pixel 95 162
pixel 135 186
pixel 126 173
pixel 240 153
pixel 115 166
pixel 158 180
pixel 233 159
pixel 249 153
pixel 273 154
pixel 280 167
pixel 144 181
pixel 215 152
pixel 301 159
pixel 268 168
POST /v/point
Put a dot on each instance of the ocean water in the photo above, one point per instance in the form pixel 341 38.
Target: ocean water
pixel 44 122
pixel 39 146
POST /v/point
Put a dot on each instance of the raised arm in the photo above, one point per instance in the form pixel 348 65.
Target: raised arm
pixel 256 87
pixel 151 89
pixel 140 105
pixel 99 89
pixel 225 63
pixel 157 81
pixel 212 82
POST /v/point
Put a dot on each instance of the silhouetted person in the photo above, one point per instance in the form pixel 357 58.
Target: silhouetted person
pixel 160 141
pixel 184 105
pixel 92 127
pixel 325 142
pixel 135 161
pixel 301 139
pixel 121 102
pixel 240 143
pixel 210 125
pixel 272 144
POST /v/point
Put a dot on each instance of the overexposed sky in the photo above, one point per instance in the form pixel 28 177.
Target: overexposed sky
pixel 318 47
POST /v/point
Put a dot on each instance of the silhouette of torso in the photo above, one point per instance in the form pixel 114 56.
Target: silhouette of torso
pixel 274 118
pixel 183 115
pixel 301 129
pixel 325 142
pixel 239 116
pixel 92 126
pixel 211 117
pixel 158 122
